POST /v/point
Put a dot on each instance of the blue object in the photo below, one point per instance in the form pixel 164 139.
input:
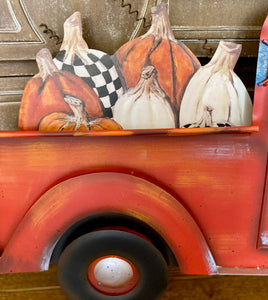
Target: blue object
pixel 262 65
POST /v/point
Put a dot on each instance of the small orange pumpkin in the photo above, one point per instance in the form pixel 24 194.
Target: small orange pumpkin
pixel 59 121
pixel 104 124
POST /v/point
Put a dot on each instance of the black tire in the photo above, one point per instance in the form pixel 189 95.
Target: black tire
pixel 76 258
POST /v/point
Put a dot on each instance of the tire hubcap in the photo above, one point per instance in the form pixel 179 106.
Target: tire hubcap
pixel 112 275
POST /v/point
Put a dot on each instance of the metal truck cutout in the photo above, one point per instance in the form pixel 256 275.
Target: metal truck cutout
pixel 114 208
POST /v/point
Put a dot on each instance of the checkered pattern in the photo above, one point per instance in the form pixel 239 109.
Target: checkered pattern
pixel 99 73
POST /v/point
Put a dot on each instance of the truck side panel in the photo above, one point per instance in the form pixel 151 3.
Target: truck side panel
pixel 87 195
pixel 218 178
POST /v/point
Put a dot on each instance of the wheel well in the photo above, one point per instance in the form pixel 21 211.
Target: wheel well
pixel 113 221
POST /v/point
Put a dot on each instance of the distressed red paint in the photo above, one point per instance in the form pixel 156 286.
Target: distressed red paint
pixel 203 190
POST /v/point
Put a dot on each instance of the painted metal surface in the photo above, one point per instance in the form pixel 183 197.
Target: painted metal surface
pixel 80 196
pixel 209 175
pixel 261 92
pixel 202 190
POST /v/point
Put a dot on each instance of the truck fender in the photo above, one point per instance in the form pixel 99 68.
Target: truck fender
pixel 66 203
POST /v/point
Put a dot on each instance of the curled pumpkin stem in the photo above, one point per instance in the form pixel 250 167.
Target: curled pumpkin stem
pixel 79 117
pixel 207 120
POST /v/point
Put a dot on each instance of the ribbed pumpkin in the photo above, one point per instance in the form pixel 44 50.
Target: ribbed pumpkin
pixel 174 62
pixel 104 124
pixel 45 92
pixel 215 95
pixel 94 67
pixel 145 106
pixel 59 122
pixel 78 120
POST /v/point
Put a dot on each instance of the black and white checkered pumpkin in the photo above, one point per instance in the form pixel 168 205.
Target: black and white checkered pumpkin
pixel 95 67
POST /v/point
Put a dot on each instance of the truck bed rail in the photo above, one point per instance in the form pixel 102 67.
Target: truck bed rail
pixel 167 132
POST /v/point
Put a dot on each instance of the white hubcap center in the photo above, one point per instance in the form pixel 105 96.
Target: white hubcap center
pixel 113 272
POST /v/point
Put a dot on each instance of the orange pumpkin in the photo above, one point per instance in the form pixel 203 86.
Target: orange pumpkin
pixel 174 62
pixel 62 122
pixel 57 121
pixel 105 124
pixel 45 92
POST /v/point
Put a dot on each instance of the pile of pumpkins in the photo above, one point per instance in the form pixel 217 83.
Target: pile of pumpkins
pixel 153 81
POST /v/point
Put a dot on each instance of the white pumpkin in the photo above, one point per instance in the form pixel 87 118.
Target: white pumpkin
pixel 215 95
pixel 145 106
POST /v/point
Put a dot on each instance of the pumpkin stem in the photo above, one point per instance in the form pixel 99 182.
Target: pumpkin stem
pixel 148 83
pixel 160 27
pixel 73 42
pixel 45 64
pixel 80 116
pixel 226 56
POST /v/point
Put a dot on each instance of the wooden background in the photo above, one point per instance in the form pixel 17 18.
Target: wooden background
pixel 44 285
